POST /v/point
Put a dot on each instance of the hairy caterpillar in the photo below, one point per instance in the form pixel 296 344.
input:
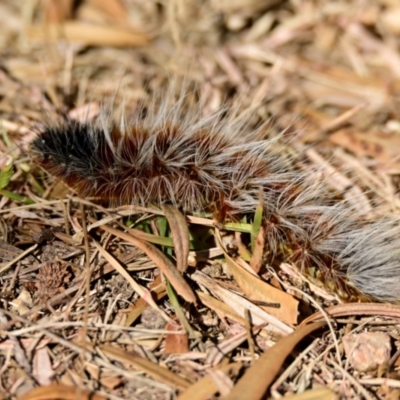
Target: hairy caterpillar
pixel 217 163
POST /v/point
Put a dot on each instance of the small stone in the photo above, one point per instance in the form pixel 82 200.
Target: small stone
pixel 368 350
pixel 44 236
pixel 152 319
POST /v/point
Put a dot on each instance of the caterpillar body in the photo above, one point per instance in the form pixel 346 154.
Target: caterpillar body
pixel 219 164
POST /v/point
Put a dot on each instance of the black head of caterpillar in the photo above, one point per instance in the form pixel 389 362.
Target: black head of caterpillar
pixel 218 164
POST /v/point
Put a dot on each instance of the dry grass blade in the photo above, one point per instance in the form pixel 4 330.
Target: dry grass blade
pixel 314 394
pixel 159 373
pixel 162 261
pixel 342 310
pixel 60 392
pixel 268 366
pixel 334 124
pixel 228 345
pixel 180 235
pixel 179 311
pixel 19 257
pixel 87 34
pixel 220 307
pixel 143 292
pixel 205 387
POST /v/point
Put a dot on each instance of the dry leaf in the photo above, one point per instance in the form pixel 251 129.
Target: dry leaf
pixel 180 235
pixel 42 367
pixel 112 8
pixel 176 343
pixel 23 303
pixel 257 290
pixel 240 305
pixel 268 365
pixel 58 10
